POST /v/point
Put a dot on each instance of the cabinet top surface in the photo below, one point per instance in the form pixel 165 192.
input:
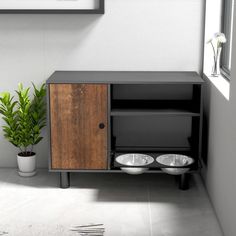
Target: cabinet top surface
pixel 125 77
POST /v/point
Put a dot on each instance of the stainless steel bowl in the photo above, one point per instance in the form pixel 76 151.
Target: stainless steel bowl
pixel 175 160
pixel 134 159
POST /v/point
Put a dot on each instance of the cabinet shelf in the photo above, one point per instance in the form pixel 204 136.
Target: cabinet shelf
pixel 152 149
pixel 153 107
pixel 150 112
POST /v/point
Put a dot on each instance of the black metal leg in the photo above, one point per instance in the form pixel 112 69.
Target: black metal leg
pixel 64 179
pixel 184 182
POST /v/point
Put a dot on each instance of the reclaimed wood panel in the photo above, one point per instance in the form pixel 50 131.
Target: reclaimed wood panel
pixel 78 140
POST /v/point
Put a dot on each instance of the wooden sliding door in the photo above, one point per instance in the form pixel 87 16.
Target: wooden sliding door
pixel 78 116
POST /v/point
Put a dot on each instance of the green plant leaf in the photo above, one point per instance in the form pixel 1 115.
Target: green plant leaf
pixel 24 117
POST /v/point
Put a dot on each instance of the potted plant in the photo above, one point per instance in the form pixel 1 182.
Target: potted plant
pixel 24 119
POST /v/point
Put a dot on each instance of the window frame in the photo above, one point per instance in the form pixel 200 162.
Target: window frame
pixel 227 29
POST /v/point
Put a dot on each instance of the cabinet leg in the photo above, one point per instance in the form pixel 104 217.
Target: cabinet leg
pixel 64 179
pixel 184 182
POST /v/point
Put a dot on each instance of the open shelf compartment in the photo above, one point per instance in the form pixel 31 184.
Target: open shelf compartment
pixel 171 99
pixel 155 119
pixel 150 133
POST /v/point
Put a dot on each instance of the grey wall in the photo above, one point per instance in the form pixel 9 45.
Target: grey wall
pixel 132 35
pixel 220 174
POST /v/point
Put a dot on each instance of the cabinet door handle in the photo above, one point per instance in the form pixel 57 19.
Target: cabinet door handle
pixel 101 126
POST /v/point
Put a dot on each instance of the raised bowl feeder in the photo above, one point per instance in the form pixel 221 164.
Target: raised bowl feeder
pixel 136 161
pixel 175 160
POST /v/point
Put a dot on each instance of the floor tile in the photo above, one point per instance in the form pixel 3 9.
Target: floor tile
pixel 182 213
pixel 145 205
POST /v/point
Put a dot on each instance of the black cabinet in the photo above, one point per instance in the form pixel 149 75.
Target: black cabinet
pixel 147 112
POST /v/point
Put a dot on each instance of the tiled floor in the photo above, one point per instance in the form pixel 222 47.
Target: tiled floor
pixel 146 205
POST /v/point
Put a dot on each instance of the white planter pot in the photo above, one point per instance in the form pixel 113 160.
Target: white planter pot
pixel 26 165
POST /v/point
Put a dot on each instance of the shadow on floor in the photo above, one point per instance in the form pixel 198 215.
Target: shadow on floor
pixel 107 187
pixel 141 188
